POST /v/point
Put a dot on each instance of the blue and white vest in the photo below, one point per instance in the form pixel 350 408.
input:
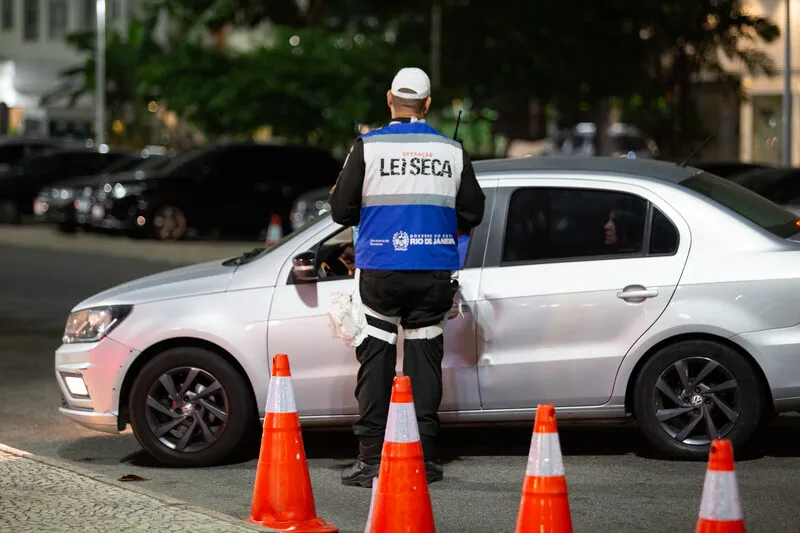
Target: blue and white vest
pixel 408 216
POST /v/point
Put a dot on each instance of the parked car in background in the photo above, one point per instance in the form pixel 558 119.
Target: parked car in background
pixel 611 288
pixel 726 169
pixel 235 188
pixel 779 185
pixel 67 203
pixel 310 205
pixel 19 188
pixel 581 140
pixel 15 149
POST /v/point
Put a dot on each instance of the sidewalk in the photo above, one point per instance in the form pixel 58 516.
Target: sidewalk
pixel 39 494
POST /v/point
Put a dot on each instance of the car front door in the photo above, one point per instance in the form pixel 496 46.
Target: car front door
pixel 324 369
pixel 573 278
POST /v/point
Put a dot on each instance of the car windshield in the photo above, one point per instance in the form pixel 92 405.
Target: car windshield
pixel 179 160
pixel 154 162
pixel 261 252
pixel 746 203
pixel 123 165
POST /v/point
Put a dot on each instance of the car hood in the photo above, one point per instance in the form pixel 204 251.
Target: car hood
pixel 194 280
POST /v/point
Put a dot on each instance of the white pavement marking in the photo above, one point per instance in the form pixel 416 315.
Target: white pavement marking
pixel 42 494
pixel 181 252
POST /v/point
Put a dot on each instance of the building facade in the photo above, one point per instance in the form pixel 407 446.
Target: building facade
pixel 761 111
pixel 33 52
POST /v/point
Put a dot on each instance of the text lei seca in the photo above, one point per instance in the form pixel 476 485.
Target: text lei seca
pixel 418 164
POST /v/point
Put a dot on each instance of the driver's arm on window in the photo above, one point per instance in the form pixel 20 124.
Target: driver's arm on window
pixel 345 199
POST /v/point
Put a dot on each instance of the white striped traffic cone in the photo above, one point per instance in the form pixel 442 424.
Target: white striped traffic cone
pixel 544 507
pixel 720 509
pixel 402 501
pixel 283 499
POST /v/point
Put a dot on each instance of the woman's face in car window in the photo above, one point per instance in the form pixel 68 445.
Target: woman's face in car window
pixel 611 229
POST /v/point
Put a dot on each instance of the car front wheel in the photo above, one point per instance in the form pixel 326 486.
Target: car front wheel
pixel 189 408
pixel 692 392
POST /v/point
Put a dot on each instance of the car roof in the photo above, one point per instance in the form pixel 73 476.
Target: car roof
pixel 645 169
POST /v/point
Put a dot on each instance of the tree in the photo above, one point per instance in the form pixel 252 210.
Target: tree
pixel 569 56
pixel 309 85
pixel 684 38
pixel 125 57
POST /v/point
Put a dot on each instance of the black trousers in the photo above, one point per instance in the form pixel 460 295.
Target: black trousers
pixel 419 299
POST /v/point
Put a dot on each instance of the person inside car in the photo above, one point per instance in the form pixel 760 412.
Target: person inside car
pixel 342 264
pixel 622 232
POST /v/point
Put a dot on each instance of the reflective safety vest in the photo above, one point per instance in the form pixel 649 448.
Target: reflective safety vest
pixel 408 216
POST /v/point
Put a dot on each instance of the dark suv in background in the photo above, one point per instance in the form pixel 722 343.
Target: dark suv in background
pixel 235 188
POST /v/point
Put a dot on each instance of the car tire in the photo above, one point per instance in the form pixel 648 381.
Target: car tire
pixel 234 400
pixel 168 222
pixel 658 385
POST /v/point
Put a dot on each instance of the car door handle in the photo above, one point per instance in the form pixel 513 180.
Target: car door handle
pixel 637 292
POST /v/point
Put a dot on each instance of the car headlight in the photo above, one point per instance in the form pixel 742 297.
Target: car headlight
pixel 91 325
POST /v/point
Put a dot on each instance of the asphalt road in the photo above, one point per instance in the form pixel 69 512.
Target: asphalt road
pixel 614 484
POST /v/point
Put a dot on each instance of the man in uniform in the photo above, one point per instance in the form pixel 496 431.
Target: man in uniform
pixel 411 191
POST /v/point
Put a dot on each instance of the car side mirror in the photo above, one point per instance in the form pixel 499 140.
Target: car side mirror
pixel 304 268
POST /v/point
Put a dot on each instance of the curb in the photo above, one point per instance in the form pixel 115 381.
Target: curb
pixel 165 500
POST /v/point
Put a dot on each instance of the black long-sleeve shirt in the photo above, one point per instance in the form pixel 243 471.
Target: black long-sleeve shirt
pixel 345 198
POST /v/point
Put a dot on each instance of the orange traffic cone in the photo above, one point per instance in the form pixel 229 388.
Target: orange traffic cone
pixel 720 509
pixel 282 496
pixel 544 507
pixel 274 231
pixel 402 501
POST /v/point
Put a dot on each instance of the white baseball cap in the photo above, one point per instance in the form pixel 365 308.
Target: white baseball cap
pixel 411 83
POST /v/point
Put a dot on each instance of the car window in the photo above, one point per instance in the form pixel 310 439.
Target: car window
pixel 336 256
pixel 664 236
pixel 189 164
pixel 564 223
pixel 745 203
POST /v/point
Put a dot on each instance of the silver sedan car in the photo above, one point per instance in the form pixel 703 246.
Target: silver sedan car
pixel 615 289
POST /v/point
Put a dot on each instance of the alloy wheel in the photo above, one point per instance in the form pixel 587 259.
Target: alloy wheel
pixel 187 409
pixel 696 400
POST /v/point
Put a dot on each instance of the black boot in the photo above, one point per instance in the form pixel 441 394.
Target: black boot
pixel 360 474
pixel 366 467
pixel 433 471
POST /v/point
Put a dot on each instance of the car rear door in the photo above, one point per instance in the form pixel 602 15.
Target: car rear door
pixel 561 301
